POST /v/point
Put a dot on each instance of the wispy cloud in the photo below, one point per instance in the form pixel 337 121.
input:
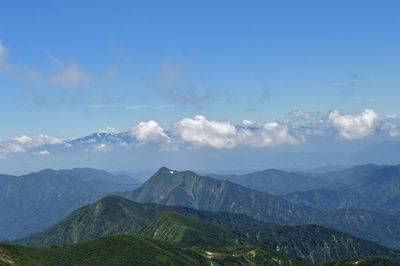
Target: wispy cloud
pixel 60 83
pixel 149 106
pixel 130 107
pixel 99 106
pixel 172 84
pixel 4 65
pixel 69 77
pixel 345 87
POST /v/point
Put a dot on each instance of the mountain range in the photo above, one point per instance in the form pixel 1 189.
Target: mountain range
pixel 216 232
pixel 344 201
pixel 277 182
pixel 370 187
pixel 186 188
pixel 31 203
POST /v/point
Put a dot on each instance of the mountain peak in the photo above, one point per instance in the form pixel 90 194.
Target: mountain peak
pixel 165 171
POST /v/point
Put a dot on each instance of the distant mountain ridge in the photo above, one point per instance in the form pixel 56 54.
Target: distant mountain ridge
pixel 340 206
pixel 369 187
pixel 277 182
pixel 33 202
pixel 186 188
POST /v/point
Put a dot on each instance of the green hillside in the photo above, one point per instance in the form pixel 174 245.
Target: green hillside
pixel 310 243
pixel 256 256
pixel 137 250
pixel 111 250
pixel 116 215
pixel 188 232
pixel 315 244
pixel 365 261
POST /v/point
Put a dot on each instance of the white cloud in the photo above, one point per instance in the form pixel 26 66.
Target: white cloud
pixel 247 123
pixel 393 116
pixel 42 153
pixel 109 130
pixel 149 132
pixel 222 135
pixel 23 139
pixel 269 134
pixel 45 139
pixel 355 126
pixel 103 147
pixel 202 132
pixel 21 143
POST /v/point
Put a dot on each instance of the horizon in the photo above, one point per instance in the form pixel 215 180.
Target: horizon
pixel 267 77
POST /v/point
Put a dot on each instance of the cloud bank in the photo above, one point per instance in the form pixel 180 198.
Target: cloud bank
pixel 198 132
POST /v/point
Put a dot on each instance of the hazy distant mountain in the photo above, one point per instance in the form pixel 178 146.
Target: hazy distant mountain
pixel 277 182
pixel 32 203
pixel 368 187
pixel 378 227
pixel 332 198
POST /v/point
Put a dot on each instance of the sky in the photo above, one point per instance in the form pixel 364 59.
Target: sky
pixel 70 68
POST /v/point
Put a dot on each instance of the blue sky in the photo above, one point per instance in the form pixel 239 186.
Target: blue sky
pixel 69 68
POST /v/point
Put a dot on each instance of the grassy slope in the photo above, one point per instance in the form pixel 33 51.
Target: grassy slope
pixel 111 250
pixel 114 214
pixel 188 232
pixel 311 243
pixel 315 243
